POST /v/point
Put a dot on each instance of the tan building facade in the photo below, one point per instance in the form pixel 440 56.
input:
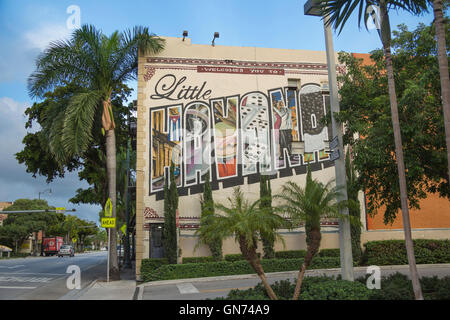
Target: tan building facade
pixel 237 113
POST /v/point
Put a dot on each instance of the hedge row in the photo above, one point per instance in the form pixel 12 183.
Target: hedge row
pixel 313 288
pixel 289 254
pixel 395 287
pixel 153 263
pixel 224 268
pixel 198 259
pixel 393 252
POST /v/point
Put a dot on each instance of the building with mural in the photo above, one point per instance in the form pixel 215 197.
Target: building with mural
pixel 237 113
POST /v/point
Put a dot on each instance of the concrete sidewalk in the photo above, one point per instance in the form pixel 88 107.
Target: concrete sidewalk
pixel 123 289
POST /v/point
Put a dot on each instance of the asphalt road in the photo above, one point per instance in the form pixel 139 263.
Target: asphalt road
pixel 45 278
pixel 200 289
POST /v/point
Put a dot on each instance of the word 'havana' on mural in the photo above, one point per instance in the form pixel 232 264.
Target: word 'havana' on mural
pixel 246 134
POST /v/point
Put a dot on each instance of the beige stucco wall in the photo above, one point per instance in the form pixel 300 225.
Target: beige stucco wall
pixel 188 56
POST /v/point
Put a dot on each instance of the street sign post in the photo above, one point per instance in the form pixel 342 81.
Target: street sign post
pixel 108 223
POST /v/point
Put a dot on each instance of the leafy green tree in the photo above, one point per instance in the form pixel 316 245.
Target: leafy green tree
pixel 336 13
pixel 214 242
pixel 245 221
pixel 310 204
pixel 21 225
pixel 265 193
pixel 170 211
pixel 100 64
pixel 441 27
pixel 355 211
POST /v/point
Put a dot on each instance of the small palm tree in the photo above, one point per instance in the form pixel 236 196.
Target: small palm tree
pixel 244 221
pixel 99 65
pixel 309 205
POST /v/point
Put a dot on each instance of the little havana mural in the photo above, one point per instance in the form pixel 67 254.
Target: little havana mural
pixel 236 136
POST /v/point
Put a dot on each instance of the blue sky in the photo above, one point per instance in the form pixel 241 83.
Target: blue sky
pixel 26 28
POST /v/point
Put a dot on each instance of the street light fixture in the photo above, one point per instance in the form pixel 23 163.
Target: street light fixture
pixel 312 8
pixel 46 190
pixel 216 35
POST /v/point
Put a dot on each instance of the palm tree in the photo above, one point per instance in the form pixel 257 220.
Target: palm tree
pixel 337 13
pixel 309 205
pixel 438 9
pixel 244 221
pixel 99 65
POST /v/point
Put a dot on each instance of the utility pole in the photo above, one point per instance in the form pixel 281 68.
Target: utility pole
pixel 345 242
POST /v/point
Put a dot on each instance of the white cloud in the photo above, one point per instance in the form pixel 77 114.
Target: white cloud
pixel 15 182
pixel 17 62
pixel 41 37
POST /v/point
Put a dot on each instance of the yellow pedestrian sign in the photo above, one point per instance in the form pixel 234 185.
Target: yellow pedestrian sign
pixel 60 210
pixel 108 208
pixel 108 222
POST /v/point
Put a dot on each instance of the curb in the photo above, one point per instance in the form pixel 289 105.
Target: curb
pixel 78 294
pixel 287 273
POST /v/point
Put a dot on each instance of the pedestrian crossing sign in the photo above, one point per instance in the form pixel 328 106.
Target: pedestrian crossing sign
pixel 108 222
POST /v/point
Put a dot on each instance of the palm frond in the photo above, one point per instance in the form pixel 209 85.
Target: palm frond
pixel 78 121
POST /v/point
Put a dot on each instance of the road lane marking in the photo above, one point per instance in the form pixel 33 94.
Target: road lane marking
pixel 24 279
pixel 186 288
pixel 34 273
pixel 28 288
pixel 13 267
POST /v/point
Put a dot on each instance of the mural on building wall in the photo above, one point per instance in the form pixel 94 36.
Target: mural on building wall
pixel 255 133
pixel 236 136
pixel 284 127
pixel 225 136
pixel 197 142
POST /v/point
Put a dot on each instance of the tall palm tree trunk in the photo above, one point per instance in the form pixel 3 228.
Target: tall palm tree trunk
pixel 111 173
pixel 311 251
pixel 252 258
pixel 400 163
pixel 443 70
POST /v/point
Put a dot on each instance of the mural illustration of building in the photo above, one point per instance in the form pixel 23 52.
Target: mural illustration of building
pixel 237 113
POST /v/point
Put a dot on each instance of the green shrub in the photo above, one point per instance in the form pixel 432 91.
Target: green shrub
pixel 434 288
pixel 290 254
pixel 393 252
pixel 237 257
pixel 329 253
pixel 335 290
pixel 198 259
pixel 313 288
pixel 234 257
pixel 224 268
pixel 151 264
pixel 399 287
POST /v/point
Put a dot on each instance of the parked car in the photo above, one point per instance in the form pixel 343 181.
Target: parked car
pixel 66 250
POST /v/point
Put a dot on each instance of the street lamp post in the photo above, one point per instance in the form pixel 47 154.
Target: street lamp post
pixel 46 190
pixel 311 8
